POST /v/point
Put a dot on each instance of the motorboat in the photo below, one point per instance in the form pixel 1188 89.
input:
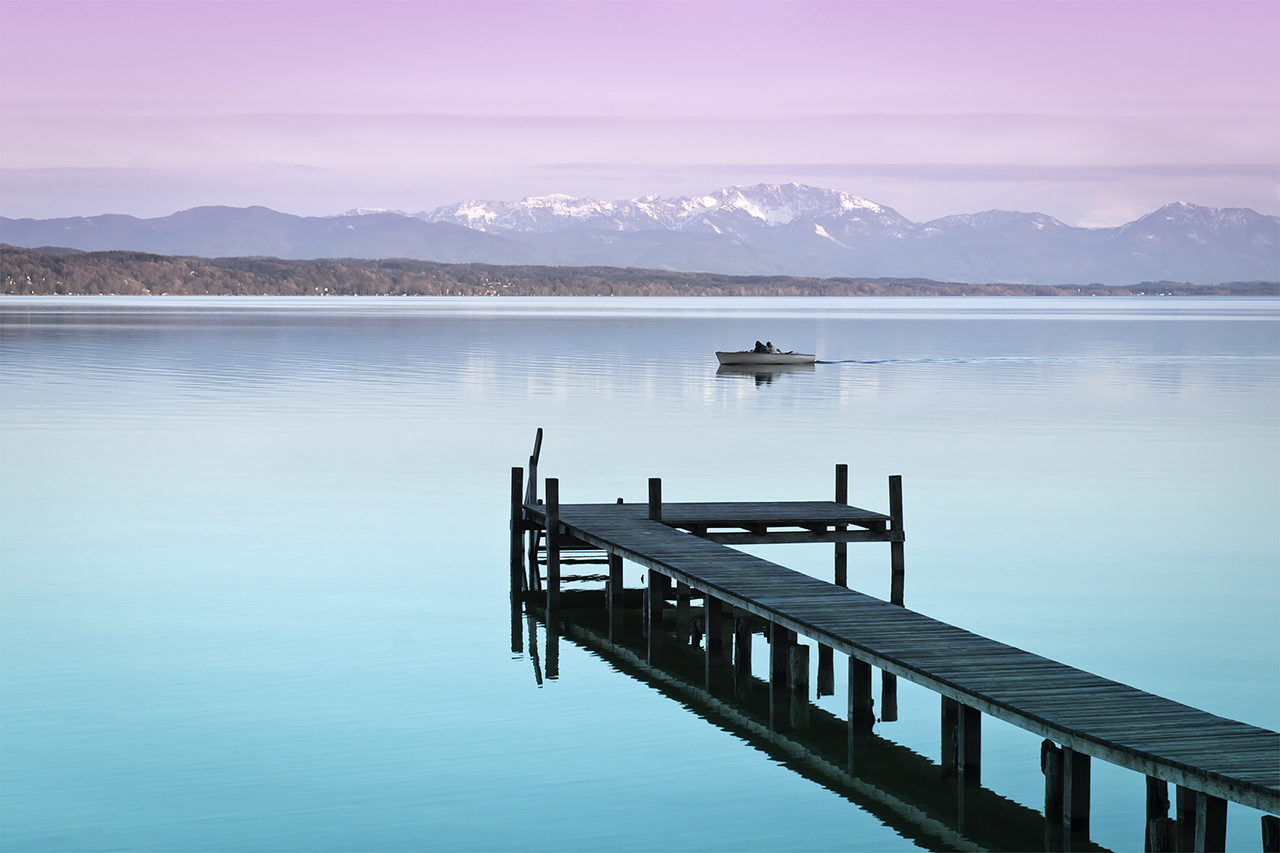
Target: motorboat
pixel 750 357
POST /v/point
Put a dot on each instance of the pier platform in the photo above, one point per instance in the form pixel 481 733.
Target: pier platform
pixel 1211 760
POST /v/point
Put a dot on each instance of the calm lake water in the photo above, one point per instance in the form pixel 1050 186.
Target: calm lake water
pixel 253 552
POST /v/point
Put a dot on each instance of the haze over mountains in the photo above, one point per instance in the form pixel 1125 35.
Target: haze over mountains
pixel 768 229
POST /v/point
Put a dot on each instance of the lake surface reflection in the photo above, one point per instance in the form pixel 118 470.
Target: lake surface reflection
pixel 253 551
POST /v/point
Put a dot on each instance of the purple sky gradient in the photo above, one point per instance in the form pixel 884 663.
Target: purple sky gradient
pixel 1092 112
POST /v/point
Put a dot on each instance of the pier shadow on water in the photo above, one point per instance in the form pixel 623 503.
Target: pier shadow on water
pixel 921 800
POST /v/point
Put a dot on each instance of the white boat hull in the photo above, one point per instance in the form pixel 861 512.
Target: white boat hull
pixel 749 357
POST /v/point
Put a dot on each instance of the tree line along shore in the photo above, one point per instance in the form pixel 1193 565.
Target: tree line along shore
pixel 39 272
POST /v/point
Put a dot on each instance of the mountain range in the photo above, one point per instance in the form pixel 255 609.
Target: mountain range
pixel 767 229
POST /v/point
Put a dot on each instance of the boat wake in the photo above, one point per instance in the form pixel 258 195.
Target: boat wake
pixel 1058 359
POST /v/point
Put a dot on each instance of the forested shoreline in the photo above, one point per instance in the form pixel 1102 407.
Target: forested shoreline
pixel 34 272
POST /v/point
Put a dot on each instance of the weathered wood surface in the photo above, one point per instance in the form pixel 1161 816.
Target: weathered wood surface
pixel 1082 711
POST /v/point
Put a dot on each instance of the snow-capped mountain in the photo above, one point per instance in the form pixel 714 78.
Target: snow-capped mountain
pixel 767 229
pixel 732 210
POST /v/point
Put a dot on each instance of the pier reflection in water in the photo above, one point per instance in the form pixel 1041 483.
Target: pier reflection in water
pixel 938 806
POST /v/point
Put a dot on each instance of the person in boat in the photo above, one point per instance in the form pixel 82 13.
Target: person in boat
pixel 760 347
pixel 772 350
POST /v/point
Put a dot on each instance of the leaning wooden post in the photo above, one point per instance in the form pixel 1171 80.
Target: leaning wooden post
pixel 655 499
pixel 1157 808
pixel 799 686
pixel 553 545
pixel 1211 823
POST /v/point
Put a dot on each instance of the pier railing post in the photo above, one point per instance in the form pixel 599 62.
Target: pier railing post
pixel 842 548
pixel 655 499
pixel 553 546
pixel 517 533
pixel 897 558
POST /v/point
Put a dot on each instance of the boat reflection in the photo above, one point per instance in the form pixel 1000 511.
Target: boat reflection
pixel 762 373
pixel 905 790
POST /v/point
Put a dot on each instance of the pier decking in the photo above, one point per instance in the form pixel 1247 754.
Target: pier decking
pixel 1210 759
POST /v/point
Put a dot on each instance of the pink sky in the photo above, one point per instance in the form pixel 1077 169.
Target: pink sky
pixel 1091 112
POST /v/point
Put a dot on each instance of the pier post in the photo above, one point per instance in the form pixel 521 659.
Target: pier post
pixel 682 612
pixel 897 557
pixel 553 548
pixel 655 599
pixel 713 660
pixel 950 729
pixel 742 657
pixel 655 499
pixel 615 603
pixel 1157 809
pixel 1202 821
pixel 842 548
pixel 826 670
pixel 969 741
pixel 780 640
pixel 1075 790
pixel 1162 834
pixel 861 712
pixel 517 533
pixel 799 687
pixel 1270 834
pixel 1051 766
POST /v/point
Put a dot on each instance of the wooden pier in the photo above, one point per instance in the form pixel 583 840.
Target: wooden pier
pixel 1209 759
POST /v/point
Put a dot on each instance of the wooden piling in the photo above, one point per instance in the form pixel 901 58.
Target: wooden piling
pixel 826 684
pixel 1270 834
pixel 1211 823
pixel 682 612
pixel 1051 764
pixel 1162 835
pixel 950 753
pixel 742 636
pixel 1157 807
pixel 842 548
pixel 861 711
pixel 656 599
pixel 780 640
pixel 553 546
pixel 655 499
pixel 799 686
pixel 615 602
pixel 888 697
pixel 517 534
pixel 897 557
pixel 1075 790
pixel 713 658
pixel 969 742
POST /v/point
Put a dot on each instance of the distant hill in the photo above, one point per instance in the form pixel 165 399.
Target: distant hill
pixel 788 229
pixel 32 272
